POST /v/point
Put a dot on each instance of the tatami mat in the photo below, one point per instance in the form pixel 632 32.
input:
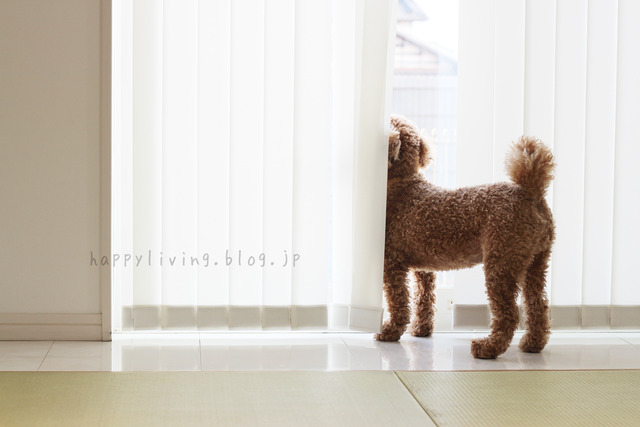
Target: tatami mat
pixel 207 398
pixel 350 398
pixel 528 398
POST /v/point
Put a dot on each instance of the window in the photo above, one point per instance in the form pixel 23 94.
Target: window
pixel 425 82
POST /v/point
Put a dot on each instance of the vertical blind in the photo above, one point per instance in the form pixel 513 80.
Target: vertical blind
pixel 566 72
pixel 250 155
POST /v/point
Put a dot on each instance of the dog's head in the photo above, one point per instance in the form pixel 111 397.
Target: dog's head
pixel 408 150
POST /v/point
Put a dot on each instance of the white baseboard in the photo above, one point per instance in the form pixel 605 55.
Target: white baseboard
pixel 50 326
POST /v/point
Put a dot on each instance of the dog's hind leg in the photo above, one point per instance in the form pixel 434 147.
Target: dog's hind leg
pixel 424 304
pixel 536 305
pixel 502 290
pixel 397 294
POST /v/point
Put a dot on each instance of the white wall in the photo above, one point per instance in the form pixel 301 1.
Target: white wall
pixel 49 168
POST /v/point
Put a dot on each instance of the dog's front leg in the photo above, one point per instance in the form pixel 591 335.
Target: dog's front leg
pixel 424 304
pixel 397 295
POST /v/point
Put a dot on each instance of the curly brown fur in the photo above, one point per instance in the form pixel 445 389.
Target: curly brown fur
pixel 424 301
pixel 507 227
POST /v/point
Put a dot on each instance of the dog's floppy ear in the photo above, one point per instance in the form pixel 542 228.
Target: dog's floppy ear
pixel 394 146
pixel 426 152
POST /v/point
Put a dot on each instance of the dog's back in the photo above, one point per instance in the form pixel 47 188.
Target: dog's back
pixel 433 228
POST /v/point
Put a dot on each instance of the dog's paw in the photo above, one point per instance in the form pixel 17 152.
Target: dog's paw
pixel 530 344
pixel 484 348
pixel 389 333
pixel 421 330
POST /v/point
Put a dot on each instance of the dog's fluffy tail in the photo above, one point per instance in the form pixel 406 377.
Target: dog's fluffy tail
pixel 530 164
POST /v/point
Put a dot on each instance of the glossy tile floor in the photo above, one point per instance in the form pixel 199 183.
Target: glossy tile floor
pixel 314 351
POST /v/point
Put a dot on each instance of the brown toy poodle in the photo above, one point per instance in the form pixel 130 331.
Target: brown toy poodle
pixel 508 227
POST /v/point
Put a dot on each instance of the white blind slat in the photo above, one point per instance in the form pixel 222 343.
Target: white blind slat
pixel 146 114
pixel 626 230
pixel 311 152
pixel 539 78
pixel 570 105
pixel 246 151
pixel 278 142
pixel 599 151
pixel 508 108
pixel 371 151
pixel 214 42
pixel 342 107
pixel 179 152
